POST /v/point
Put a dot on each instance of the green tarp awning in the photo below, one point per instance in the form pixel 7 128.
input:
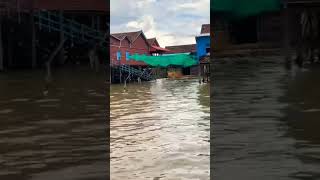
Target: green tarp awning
pixel 244 8
pixel 183 60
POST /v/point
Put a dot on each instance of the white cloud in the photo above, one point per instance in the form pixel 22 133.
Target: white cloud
pixel 171 22
pixel 146 23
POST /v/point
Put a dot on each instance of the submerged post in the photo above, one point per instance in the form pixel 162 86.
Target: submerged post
pixel 199 73
pixel 286 40
pixel 9 50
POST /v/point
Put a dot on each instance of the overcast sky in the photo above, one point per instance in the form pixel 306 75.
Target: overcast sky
pixel 172 22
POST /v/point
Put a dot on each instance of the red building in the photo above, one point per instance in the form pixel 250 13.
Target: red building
pixel 128 43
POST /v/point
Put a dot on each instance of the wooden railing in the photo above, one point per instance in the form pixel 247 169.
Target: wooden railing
pixel 71 29
pixel 137 72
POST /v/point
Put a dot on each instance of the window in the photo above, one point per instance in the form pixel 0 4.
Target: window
pixel 119 55
pixel 127 56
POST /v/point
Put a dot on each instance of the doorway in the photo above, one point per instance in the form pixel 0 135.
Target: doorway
pixel 186 71
pixel 244 30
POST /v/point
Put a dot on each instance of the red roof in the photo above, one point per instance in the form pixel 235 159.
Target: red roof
pixel 132 36
pixel 189 48
pixel 157 48
pixel 153 41
pixel 205 28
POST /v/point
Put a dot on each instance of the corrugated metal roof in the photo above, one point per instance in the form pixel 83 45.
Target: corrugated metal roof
pixel 182 48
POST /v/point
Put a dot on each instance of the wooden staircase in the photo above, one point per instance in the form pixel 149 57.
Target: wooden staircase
pixel 125 73
pixel 144 75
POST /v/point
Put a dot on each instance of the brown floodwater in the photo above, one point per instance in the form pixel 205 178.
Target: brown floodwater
pixel 266 121
pixel 58 135
pixel 160 130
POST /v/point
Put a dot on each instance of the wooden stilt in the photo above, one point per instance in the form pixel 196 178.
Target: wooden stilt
pixel 1 47
pixel 199 73
pixel 10 63
pixel 52 56
pixel 286 32
pixel 120 74
pixel 33 41
pixel 92 22
pixel 98 23
pixel 61 54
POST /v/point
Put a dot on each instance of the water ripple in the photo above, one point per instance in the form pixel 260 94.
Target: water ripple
pixel 159 129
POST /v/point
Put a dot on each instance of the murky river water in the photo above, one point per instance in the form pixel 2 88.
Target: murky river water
pixel 265 125
pixel 265 121
pixel 160 130
pixel 61 135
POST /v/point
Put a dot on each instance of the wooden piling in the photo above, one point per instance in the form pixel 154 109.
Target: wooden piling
pixel 98 23
pixel 33 41
pixel 1 46
pixel 49 62
pixel 61 54
pixel 93 22
pixel 9 38
pixel 286 31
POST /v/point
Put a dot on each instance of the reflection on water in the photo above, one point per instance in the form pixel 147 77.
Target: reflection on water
pixel 265 123
pixel 58 136
pixel 160 130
